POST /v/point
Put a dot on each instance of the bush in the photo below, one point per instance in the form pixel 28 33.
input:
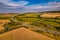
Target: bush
pixel 58 28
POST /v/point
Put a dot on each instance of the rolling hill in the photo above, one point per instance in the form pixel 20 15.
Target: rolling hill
pixel 23 34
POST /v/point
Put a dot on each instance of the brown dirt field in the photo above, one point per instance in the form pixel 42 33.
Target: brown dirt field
pixel 23 34
pixel 2 22
pixel 50 15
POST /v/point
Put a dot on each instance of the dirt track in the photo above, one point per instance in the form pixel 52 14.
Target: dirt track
pixel 23 34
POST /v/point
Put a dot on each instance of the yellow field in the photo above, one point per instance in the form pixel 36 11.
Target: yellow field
pixel 51 15
pixel 2 22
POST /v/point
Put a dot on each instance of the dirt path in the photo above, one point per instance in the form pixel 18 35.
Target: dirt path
pixel 23 34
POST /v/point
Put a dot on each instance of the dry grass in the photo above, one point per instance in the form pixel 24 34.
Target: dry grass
pixel 49 15
pixel 23 34
pixel 2 22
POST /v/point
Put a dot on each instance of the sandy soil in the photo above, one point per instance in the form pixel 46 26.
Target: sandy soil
pixel 23 34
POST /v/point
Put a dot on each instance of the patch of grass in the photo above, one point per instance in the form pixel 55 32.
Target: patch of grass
pixel 28 19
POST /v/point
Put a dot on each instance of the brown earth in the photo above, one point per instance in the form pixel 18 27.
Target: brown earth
pixel 23 34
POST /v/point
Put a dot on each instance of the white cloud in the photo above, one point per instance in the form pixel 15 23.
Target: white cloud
pixel 53 3
pixel 5 1
pixel 50 5
pixel 21 3
pixel 31 8
pixel 14 4
pixel 37 7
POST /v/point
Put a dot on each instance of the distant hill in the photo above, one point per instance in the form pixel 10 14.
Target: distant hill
pixel 51 11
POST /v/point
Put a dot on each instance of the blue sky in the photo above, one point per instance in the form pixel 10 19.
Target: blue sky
pixel 29 5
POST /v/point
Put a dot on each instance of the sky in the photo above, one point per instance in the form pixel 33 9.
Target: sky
pixel 17 6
